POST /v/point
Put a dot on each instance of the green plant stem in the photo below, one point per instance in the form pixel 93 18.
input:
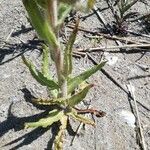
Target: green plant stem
pixel 58 57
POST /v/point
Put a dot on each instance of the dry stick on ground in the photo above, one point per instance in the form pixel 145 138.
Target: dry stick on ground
pixel 114 47
pixel 124 39
pixel 108 36
pixel 147 15
pixel 135 45
pixel 76 53
pixel 142 139
pixel 139 34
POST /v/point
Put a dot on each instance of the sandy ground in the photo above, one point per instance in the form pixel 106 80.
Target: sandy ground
pixel 110 94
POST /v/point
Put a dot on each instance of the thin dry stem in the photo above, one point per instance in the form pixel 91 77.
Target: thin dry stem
pixel 115 47
pixel 126 40
pixel 97 113
pixel 131 90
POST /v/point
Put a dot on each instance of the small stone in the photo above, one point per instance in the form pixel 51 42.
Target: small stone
pixel 128 117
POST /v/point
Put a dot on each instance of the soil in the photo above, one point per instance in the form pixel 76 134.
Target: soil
pixel 110 93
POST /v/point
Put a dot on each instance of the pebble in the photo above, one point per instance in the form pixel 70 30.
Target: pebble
pixel 127 117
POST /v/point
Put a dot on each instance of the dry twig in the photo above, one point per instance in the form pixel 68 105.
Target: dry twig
pixel 115 47
pixel 139 125
pixel 139 34
pixel 125 40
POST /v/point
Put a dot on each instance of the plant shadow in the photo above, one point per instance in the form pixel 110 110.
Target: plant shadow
pixel 17 50
pixel 17 124
pixel 23 30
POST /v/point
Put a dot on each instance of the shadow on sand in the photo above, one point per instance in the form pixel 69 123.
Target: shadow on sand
pixel 17 124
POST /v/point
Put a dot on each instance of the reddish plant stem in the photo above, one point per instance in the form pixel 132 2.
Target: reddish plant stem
pixel 97 113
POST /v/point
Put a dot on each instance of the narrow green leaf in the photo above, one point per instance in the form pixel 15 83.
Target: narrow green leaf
pixel 40 22
pixel 52 93
pixel 58 101
pixel 81 118
pixel 63 11
pixel 77 98
pixel 38 76
pixel 68 51
pixel 46 81
pixel 58 143
pixel 45 69
pixel 54 116
pixel 74 82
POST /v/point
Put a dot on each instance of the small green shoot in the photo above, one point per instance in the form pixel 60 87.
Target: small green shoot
pixel 122 15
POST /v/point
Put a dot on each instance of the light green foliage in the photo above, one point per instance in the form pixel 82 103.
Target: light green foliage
pixel 45 69
pixel 64 100
pixel 68 52
pixel 48 102
pixel 70 2
pixel 74 82
pixel 59 138
pixel 54 116
pixel 39 76
pixel 81 118
pixel 77 98
pixel 40 22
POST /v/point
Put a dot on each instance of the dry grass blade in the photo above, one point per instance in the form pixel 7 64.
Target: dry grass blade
pixel 125 40
pixel 139 34
pixel 115 47
pixel 132 92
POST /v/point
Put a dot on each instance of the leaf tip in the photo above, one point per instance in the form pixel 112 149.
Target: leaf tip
pixel 26 126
